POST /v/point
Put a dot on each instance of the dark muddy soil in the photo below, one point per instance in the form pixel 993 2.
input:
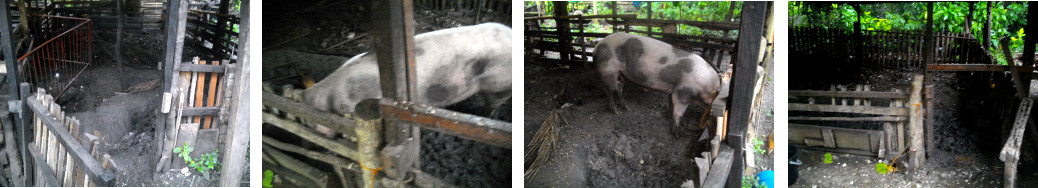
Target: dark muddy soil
pixel 970 109
pixel 639 147
pixel 314 38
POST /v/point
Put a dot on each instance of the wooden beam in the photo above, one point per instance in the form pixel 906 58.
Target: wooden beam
pixel 188 67
pixel 346 149
pixel 974 67
pixel 720 170
pixel 333 121
pixel 892 111
pixel 743 78
pixel 46 174
pixel 848 94
pixel 880 118
pixel 237 143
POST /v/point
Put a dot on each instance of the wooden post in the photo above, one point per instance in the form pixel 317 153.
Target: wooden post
pixel 25 124
pixel 13 83
pixel 969 17
pixel 563 30
pixel 119 42
pixel 915 124
pixel 743 77
pixel 1029 44
pixel 369 138
pixel 396 62
pixel 237 144
pixel 928 51
pixel 987 28
pixel 176 23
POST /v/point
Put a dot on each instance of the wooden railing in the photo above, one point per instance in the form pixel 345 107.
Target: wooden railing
pixel 886 48
pixel 59 157
pixel 575 45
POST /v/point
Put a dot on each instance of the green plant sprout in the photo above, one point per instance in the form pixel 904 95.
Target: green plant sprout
pixel 268 179
pixel 828 158
pixel 758 146
pixel 208 161
pixel 881 168
pixel 750 181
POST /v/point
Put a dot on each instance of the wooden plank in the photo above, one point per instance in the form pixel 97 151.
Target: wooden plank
pixel 744 74
pixel 80 154
pixel 879 118
pixel 848 94
pixel 333 121
pixel 187 67
pixel 45 174
pixel 199 91
pixel 720 170
pixel 975 67
pixel 346 149
pixel 891 111
pixel 237 79
pixel 296 166
pixel 211 96
pixel 200 111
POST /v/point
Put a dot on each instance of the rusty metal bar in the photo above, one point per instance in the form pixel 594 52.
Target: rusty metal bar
pixel 974 67
pixel 485 130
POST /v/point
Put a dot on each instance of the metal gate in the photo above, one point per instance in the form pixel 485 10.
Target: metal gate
pixel 61 52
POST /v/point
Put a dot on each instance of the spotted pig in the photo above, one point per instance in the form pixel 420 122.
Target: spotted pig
pixel 451 65
pixel 657 65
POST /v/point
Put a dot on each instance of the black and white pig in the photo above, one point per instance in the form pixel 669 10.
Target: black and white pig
pixel 451 65
pixel 657 65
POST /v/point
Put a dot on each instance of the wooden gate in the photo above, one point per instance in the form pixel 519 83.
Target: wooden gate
pixel 57 150
pixel 196 107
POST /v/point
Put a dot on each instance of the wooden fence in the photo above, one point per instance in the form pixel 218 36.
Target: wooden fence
pixel 576 46
pixel 198 105
pixel 56 149
pixel 493 5
pixel 886 48
pixel 850 104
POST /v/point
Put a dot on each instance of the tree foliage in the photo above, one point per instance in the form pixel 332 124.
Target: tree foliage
pixel 1007 18
pixel 695 11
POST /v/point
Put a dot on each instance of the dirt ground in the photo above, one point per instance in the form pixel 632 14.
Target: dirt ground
pixel 314 38
pixel 967 138
pixel 125 123
pixel 639 147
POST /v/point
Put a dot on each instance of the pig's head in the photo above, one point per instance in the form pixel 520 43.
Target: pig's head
pixel 339 93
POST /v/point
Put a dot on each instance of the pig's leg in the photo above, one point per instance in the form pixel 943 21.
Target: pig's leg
pixel 612 87
pixel 680 98
pixel 679 108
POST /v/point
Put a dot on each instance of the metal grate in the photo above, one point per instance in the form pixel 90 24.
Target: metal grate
pixel 61 51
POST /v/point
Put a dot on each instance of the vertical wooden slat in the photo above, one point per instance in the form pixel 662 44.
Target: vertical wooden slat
pixel 198 91
pixel 211 96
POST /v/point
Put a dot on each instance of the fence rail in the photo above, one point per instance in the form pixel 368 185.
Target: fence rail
pixel 573 46
pixel 863 105
pixel 62 52
pixel 887 48
pixel 60 158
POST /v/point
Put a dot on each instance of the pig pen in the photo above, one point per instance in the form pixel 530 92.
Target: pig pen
pixel 122 117
pixel 639 147
pixel 308 40
pixel 969 111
